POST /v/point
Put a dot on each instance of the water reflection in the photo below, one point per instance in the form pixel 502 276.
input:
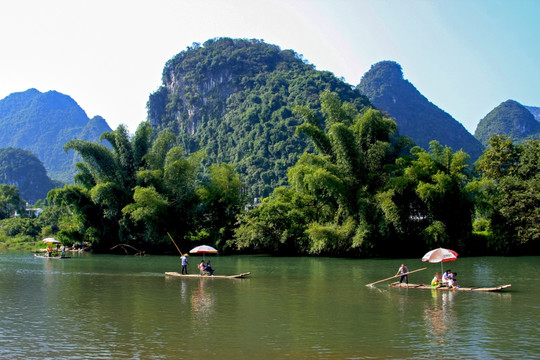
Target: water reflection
pixel 440 316
pixel 183 290
pixel 100 307
pixel 202 305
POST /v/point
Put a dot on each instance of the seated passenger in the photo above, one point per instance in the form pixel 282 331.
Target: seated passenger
pixel 447 278
pixel 453 281
pixel 209 268
pixel 202 266
pixel 436 282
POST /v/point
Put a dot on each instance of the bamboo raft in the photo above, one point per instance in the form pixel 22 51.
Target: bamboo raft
pixel 429 287
pixel 52 257
pixel 205 276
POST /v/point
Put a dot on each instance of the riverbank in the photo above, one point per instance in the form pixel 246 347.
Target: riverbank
pixel 19 243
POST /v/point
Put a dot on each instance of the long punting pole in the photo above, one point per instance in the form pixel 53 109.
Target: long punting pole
pixel 395 276
pixel 174 244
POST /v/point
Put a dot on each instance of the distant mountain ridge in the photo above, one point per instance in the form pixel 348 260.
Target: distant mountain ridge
pixel 535 111
pixel 22 169
pixel 415 115
pixel 512 119
pixel 42 123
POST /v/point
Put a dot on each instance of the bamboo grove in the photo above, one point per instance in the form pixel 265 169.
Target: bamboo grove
pixel 365 191
pixel 141 189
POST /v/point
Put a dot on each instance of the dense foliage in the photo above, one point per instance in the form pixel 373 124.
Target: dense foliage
pixel 510 197
pixel 234 99
pixel 141 189
pixel 237 119
pixel 23 170
pixel 416 117
pixel 511 119
pixel 363 191
pixel 357 197
pixel 42 123
pixel 10 202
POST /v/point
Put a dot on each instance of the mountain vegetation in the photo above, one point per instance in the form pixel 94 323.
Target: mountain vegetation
pixel 235 119
pixel 356 196
pixel 10 201
pixel 235 99
pixel 535 110
pixel 141 189
pixel 22 169
pixel 42 123
pixel 511 119
pixel 358 193
pixel 416 117
pixel 509 196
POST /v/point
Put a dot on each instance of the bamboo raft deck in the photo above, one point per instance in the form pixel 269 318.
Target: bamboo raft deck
pixel 429 287
pixel 52 257
pixel 205 276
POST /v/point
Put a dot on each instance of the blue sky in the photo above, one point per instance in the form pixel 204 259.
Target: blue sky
pixel 465 56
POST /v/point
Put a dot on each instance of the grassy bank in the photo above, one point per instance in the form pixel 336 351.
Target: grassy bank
pixel 20 243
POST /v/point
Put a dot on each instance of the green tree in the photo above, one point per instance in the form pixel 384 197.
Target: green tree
pixel 335 189
pixel 510 197
pixel 277 225
pixel 165 198
pixel 427 201
pixel 108 179
pixel 9 201
pixel 221 200
pixel 133 193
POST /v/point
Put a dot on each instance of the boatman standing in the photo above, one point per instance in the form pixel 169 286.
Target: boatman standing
pixel 403 270
pixel 184 263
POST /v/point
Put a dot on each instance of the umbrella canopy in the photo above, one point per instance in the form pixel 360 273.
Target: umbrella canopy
pixel 203 249
pixel 51 241
pixel 440 255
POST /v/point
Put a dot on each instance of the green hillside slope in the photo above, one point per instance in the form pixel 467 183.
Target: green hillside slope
pixel 535 110
pixel 23 170
pixel 509 118
pixel 235 98
pixel 416 117
pixel 42 123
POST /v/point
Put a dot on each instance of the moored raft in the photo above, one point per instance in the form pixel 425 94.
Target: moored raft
pixel 52 257
pixel 429 287
pixel 205 276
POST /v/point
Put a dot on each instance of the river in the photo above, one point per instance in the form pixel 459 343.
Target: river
pixel 123 307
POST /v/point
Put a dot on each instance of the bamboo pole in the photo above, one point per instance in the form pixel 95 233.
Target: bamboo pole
pixel 175 244
pixel 395 276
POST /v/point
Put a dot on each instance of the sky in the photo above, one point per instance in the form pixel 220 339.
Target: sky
pixel 465 56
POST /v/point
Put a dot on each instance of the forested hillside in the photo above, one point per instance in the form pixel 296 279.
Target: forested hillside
pixel 535 111
pixel 415 115
pixel 42 123
pixel 23 170
pixel 235 99
pixel 510 118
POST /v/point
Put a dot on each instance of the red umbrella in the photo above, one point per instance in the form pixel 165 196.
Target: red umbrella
pixel 440 255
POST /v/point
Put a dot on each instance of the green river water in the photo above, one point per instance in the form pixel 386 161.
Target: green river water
pixel 123 307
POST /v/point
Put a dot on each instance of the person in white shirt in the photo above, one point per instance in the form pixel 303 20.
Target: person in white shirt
pixel 447 277
pixel 184 263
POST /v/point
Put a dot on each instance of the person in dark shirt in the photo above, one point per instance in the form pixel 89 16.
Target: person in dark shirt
pixel 403 270
pixel 209 268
